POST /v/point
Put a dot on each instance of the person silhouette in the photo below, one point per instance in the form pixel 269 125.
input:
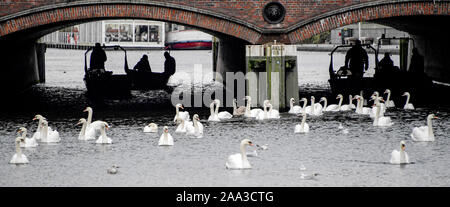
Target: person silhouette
pixel 357 60
pixel 417 62
pixel 169 64
pixel 143 65
pixel 98 57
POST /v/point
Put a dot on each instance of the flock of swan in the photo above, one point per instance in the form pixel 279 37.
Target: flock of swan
pixel 97 130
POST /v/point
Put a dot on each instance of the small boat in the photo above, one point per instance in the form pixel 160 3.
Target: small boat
pixel 188 40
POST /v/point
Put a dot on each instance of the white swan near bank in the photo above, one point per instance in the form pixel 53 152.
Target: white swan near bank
pixel 389 103
pixel 408 106
pixel 222 114
pixel 347 107
pixel 359 106
pixel 264 114
pixel 213 116
pixel 399 157
pixel 92 127
pixel 383 120
pixel 181 114
pixel 424 133
pixel 314 109
pixel 196 129
pixel 181 128
pixel 165 139
pixel 103 138
pixel 48 135
pixel 294 109
pixel 332 107
pixel 252 113
pixel 151 128
pixel 239 160
pixel 303 127
pixel 19 157
pixel 238 111
pixel 272 113
pixel 84 133
pixel 28 142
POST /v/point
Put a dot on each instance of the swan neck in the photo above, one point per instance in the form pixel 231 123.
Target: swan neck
pixel 44 133
pixel 377 114
pixel 243 153
pixel 388 96
pixel 234 107
pixel 89 120
pixel 430 128
pixel 83 129
pixel 304 104
pixel 402 156
pixel 292 104
pixel 24 134
pixel 407 99
pixel 217 108
pixel 195 124
pixel 340 102
pixel 312 106
pixel 303 121
pixel 211 109
pixel 18 150
pixel 325 103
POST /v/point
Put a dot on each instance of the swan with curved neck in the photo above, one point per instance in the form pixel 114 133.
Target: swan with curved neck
pixel 195 130
pixel 303 127
pixel 252 113
pixel 48 135
pixel 19 157
pixel 389 103
pixel 28 142
pixel 181 128
pixel 381 121
pixel 165 139
pixel 408 106
pixel 151 128
pixel 294 109
pixel 332 107
pixel 377 100
pixel 347 107
pixel 239 160
pixel 84 134
pixel 96 125
pixel 222 114
pixel 238 111
pixel 424 133
pixel 213 116
pixel 360 109
pixel 263 115
pixel 37 134
pixel 103 138
pixel 272 113
pixel 400 157
pixel 180 114
pixel 352 106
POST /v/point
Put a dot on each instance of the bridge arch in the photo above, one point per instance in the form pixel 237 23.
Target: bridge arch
pixel 371 11
pixel 49 18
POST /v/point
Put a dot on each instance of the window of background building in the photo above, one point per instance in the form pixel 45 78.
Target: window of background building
pixel 141 33
pixel 126 32
pixel 111 33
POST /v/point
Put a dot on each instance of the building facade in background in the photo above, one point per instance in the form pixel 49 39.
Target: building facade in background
pixel 369 32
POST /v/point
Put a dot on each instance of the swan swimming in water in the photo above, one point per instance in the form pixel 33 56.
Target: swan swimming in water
pixel 103 138
pixel 303 127
pixel 181 114
pixel 408 106
pixel 37 134
pixel 222 114
pixel 196 129
pixel 181 128
pixel 381 121
pixel 399 157
pixel 83 134
pixel 19 157
pixel 238 111
pixel 377 100
pixel 48 135
pixel 151 128
pixel 272 113
pixel 359 106
pixel 264 114
pixel 424 133
pixel 213 116
pixel 332 107
pixel 92 128
pixel 165 139
pixel 314 108
pixel 347 107
pixel 294 109
pixel 389 103
pixel 252 113
pixel 239 160
pixel 28 142
pixel 113 169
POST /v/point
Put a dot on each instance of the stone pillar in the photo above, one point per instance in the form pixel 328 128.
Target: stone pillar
pixel 230 57
pixel 434 49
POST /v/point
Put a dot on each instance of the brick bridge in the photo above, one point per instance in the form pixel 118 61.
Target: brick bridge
pixel 233 21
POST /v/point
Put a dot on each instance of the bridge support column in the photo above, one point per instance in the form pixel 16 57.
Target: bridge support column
pixel 20 65
pixel 435 52
pixel 230 57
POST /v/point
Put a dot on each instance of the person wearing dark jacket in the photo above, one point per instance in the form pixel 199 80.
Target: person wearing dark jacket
pixel 169 64
pixel 357 60
pixel 98 57
pixel 143 65
pixel 417 62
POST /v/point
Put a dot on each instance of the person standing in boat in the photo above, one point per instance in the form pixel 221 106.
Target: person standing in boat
pixel 169 64
pixel 98 57
pixel 357 60
pixel 143 65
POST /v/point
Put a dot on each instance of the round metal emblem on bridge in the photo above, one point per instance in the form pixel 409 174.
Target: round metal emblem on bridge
pixel 274 12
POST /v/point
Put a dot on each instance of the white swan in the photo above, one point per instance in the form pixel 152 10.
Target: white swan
pixel 377 100
pixel 359 106
pixel 239 160
pixel 37 134
pixel 238 111
pixel 181 128
pixel 399 157
pixel 48 135
pixel 381 121
pixel 165 139
pixel 182 114
pixel 389 103
pixel 151 128
pixel 19 157
pixel 332 107
pixel 264 114
pixel 424 133
pixel 352 106
pixel 294 109
pixel 195 130
pixel 103 138
pixel 252 113
pixel 213 116
pixel 303 127
pixel 92 127
pixel 222 114
pixel 314 109
pixel 272 113
pixel 113 169
pixel 408 106
pixel 84 133
pixel 28 142
pixel 349 106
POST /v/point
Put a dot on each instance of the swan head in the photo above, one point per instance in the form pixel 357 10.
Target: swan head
pixel 375 93
pixel 195 117
pixel 87 109
pixel 179 106
pixel 387 91
pixel 339 96
pixel 105 125
pixel 81 121
pixel 313 98
pixel 246 142
pixel 402 145
pixel 303 99
pixel 322 99
pixel 235 100
pixel 406 94
pixel 266 102
pixel 217 101
pixel 248 98
pixel 38 117
pixel 431 116
pixel 166 129
pixel 152 125
pixel 292 100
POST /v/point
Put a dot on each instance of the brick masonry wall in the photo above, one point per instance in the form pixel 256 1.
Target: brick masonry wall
pixel 239 18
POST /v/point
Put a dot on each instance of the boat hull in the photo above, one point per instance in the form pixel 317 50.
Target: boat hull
pixel 190 46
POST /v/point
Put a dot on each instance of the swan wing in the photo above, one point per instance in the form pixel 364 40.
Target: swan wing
pixel 420 134
pixel 395 157
pixel 224 115
pixel 234 161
